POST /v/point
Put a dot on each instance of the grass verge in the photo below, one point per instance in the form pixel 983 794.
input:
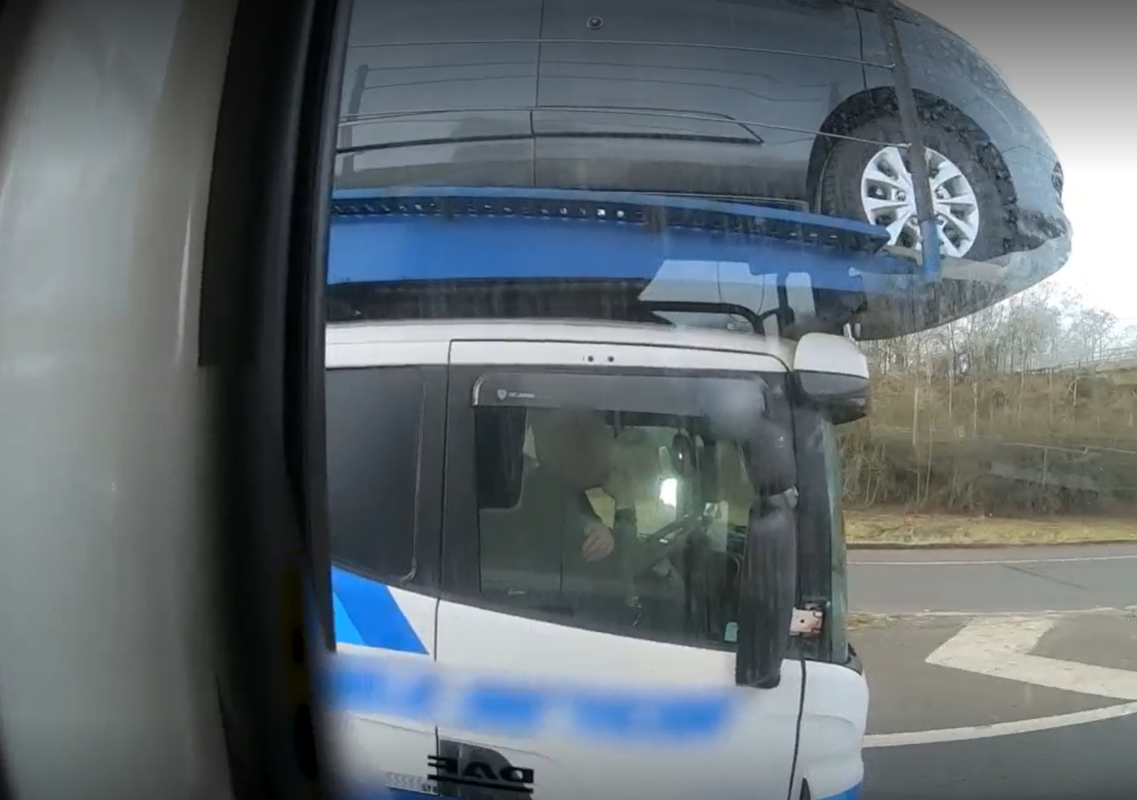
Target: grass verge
pixel 860 620
pixel 884 529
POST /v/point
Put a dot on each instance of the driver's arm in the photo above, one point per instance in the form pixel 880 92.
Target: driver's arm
pixel 598 540
pixel 632 465
pixel 624 525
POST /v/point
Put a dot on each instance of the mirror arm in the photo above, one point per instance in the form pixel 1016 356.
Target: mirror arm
pixel 785 500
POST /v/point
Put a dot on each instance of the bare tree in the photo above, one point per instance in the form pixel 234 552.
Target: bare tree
pixel 1042 328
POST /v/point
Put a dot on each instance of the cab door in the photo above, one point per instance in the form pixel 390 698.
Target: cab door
pixel 562 703
pixel 384 445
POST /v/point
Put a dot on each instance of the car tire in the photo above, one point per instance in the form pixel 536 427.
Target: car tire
pixel 842 186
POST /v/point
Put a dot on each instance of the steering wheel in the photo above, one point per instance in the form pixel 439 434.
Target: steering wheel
pixel 664 543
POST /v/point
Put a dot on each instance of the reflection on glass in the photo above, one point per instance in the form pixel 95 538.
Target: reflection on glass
pixel 619 520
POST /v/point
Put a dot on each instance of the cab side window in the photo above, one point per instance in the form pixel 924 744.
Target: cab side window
pixel 552 545
pixel 374 435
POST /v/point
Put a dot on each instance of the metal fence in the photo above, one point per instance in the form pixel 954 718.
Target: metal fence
pixel 1105 358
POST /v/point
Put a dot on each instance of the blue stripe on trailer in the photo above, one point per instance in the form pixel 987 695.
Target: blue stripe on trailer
pixel 563 235
pixel 632 208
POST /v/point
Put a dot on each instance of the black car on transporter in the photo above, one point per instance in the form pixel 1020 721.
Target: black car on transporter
pixel 791 102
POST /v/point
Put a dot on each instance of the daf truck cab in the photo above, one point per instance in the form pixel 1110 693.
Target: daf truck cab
pixel 591 559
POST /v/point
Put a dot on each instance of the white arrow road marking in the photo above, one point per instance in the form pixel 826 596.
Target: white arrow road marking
pixel 1000 648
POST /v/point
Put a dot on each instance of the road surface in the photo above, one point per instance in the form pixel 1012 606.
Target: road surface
pixel 989 731
pixel 995 738
pixel 1089 761
pixel 996 580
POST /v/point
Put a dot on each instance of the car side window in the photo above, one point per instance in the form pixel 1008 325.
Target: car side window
pixel 374 422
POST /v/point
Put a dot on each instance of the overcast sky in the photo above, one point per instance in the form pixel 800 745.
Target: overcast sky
pixel 1073 65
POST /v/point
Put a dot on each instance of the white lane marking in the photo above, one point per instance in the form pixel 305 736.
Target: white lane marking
pixel 1056 612
pixel 993 562
pixel 942 735
pixel 999 647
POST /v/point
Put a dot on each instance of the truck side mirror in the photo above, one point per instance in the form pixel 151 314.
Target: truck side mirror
pixel 767 593
pixel 768 585
pixel 832 375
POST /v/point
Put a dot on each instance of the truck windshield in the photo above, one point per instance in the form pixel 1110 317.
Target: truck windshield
pixel 619 502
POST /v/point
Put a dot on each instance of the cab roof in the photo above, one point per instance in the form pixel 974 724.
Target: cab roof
pixel 430 339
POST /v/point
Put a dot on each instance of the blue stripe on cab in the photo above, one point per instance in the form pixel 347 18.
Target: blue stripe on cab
pixel 366 614
pixel 403 694
pixel 852 793
pixel 391 793
pixel 386 793
pixel 346 632
pixel 406 690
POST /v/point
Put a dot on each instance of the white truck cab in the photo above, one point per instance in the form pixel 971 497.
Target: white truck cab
pixel 591 560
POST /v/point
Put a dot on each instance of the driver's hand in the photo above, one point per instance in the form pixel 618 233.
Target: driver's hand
pixel 598 542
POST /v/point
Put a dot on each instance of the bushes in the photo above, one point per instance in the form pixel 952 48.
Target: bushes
pixel 1013 444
